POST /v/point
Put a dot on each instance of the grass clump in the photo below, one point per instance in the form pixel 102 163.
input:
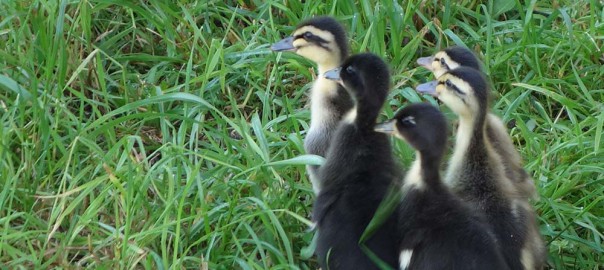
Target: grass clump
pixel 153 134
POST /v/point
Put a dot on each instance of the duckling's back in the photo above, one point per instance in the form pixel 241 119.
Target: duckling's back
pixel 510 158
pixel 443 233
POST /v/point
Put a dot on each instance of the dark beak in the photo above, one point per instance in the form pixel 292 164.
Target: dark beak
pixel 428 88
pixel 333 75
pixel 426 62
pixel 386 127
pixel 284 45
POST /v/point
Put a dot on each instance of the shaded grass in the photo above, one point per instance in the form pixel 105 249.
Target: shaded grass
pixel 145 134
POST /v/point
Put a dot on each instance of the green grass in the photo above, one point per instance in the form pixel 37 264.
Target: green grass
pixel 151 134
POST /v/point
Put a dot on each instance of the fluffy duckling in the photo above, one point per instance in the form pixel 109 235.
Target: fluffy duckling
pixel 454 57
pixel 323 41
pixel 357 174
pixel 449 59
pixel 476 172
pixel 438 230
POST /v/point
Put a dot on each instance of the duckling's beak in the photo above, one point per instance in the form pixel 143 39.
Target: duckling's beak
pixel 386 127
pixel 426 62
pixel 334 75
pixel 284 45
pixel 428 88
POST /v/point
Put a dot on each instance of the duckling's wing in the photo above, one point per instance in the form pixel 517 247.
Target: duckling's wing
pixel 510 158
pixel 323 204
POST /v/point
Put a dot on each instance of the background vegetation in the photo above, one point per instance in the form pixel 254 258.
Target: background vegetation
pixel 164 134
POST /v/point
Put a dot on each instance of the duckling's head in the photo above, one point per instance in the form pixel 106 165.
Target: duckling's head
pixel 449 59
pixel 320 39
pixel 422 126
pixel 464 90
pixel 366 76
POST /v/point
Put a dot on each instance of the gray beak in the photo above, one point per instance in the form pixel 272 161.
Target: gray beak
pixel 428 88
pixel 284 45
pixel 386 127
pixel 426 62
pixel 334 75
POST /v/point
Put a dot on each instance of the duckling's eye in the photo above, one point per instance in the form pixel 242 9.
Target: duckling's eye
pixel 448 83
pixel 350 70
pixel 308 35
pixel 443 62
pixel 408 121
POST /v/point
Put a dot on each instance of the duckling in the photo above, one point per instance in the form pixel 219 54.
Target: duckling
pixel 449 59
pixel 438 230
pixel 476 173
pixel 323 41
pixel 358 172
pixel 454 57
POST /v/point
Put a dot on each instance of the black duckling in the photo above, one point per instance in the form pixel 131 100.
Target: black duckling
pixel 438 230
pixel 454 57
pixel 476 173
pixel 358 173
pixel 323 41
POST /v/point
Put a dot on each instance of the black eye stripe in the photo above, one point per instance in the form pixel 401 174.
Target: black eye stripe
pixel 311 37
pixel 453 87
pixel 314 39
pixel 457 89
pixel 443 63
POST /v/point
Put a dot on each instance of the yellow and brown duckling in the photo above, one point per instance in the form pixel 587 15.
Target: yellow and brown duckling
pixel 438 231
pixel 457 56
pixel 322 40
pixel 358 173
pixel 476 172
pixel 449 59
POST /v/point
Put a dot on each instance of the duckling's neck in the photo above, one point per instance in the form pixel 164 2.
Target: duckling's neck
pixel 328 65
pixel 424 172
pixel 328 101
pixel 474 137
pixel 469 144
